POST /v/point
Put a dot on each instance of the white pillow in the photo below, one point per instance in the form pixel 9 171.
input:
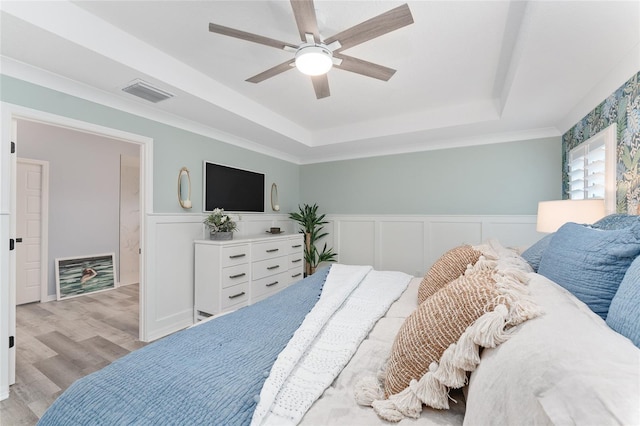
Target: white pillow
pixel 564 367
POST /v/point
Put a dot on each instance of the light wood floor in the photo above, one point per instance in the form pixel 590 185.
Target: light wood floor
pixel 59 342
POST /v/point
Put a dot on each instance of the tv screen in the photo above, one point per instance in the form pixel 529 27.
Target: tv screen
pixel 232 189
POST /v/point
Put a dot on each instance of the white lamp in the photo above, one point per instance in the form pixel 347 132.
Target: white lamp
pixel 553 214
pixel 314 60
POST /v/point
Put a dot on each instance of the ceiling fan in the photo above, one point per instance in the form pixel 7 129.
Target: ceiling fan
pixel 315 56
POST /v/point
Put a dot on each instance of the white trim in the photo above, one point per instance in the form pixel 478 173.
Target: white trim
pixel 434 145
pixel 12 255
pixel 146 143
pixel 11 112
pixel 5 302
pixel 56 82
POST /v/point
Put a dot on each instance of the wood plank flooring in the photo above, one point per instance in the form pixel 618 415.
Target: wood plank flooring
pixel 60 342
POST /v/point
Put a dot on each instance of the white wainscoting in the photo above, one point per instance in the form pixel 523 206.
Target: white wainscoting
pixel 413 243
pixel 168 290
pixel 405 243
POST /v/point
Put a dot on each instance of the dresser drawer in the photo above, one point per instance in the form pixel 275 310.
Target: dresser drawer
pixel 296 260
pixel 265 268
pixel 295 275
pixel 235 295
pixel 235 255
pixel 269 285
pixel 296 245
pixel 269 250
pixel 233 275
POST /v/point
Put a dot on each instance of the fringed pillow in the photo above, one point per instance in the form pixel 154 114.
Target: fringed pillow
pixel 436 324
pixel 440 341
pixel 447 268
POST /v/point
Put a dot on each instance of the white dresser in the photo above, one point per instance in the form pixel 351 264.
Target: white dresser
pixel 236 273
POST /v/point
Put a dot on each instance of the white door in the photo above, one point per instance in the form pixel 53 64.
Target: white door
pixel 129 220
pixel 30 206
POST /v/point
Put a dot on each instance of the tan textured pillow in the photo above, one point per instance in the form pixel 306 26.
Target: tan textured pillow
pixel 436 324
pixel 447 268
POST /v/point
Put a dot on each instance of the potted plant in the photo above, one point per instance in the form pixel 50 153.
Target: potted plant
pixel 220 225
pixel 311 226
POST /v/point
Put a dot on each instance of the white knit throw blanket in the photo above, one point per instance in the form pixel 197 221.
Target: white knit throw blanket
pixel 353 299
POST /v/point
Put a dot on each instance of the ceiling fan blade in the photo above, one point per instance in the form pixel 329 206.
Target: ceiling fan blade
pixel 243 35
pixel 321 86
pixel 271 72
pixel 372 28
pixel 306 20
pixel 359 66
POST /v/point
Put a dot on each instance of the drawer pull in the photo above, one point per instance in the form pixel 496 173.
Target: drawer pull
pixel 237 295
pixel 273 267
pixel 296 275
pixel 272 250
pixel 235 256
pixel 273 283
pixel 297 246
pixel 296 260
pixel 242 274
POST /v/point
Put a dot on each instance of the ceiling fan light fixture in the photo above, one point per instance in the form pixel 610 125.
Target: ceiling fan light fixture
pixel 314 60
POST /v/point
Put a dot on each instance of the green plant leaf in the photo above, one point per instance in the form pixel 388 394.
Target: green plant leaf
pixel 311 223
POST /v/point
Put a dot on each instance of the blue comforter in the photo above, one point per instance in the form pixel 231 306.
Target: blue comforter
pixel 211 374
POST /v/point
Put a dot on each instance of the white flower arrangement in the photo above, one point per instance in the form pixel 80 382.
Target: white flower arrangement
pixel 219 221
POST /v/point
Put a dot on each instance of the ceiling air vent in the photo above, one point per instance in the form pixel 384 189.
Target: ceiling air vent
pixel 146 91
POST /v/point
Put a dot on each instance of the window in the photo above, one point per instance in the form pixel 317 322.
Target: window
pixel 592 169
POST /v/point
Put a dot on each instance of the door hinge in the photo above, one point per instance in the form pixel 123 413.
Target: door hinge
pixel 12 244
pixel 12 342
pixel 13 147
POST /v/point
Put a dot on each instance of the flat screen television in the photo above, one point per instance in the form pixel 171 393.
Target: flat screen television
pixel 232 189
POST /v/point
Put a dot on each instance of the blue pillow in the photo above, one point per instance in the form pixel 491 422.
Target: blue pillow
pixel 533 254
pixel 589 262
pixel 624 312
pixel 617 221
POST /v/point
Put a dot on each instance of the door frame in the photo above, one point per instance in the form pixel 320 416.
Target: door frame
pixel 44 225
pixel 10 113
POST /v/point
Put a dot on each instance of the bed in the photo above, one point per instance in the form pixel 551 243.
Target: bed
pixel 351 345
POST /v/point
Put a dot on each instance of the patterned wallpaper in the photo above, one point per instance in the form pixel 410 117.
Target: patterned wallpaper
pixel 622 107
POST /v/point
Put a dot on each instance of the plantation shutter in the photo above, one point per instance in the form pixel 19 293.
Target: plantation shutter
pixel 587 164
pixel 592 168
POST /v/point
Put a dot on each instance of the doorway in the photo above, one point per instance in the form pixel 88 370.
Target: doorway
pixel 10 139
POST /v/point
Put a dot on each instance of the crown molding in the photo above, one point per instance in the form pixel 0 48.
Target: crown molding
pixel 40 77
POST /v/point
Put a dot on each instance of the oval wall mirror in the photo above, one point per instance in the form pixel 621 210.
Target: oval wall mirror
pixel 274 198
pixel 184 188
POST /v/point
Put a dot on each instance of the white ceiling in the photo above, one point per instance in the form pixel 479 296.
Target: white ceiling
pixel 467 72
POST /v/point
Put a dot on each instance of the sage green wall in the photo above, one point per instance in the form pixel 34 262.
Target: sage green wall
pixel 173 148
pixel 505 178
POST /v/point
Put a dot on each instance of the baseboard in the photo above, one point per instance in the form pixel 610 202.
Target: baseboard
pixel 171 324
pixel 49 298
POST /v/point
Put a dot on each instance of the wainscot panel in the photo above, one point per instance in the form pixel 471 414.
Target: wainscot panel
pixel 356 240
pixel 413 243
pixel 168 289
pixel 169 286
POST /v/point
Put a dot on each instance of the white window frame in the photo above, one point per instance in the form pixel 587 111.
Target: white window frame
pixel 584 170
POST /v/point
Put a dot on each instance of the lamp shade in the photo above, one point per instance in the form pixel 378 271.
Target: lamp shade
pixel 314 60
pixel 553 214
